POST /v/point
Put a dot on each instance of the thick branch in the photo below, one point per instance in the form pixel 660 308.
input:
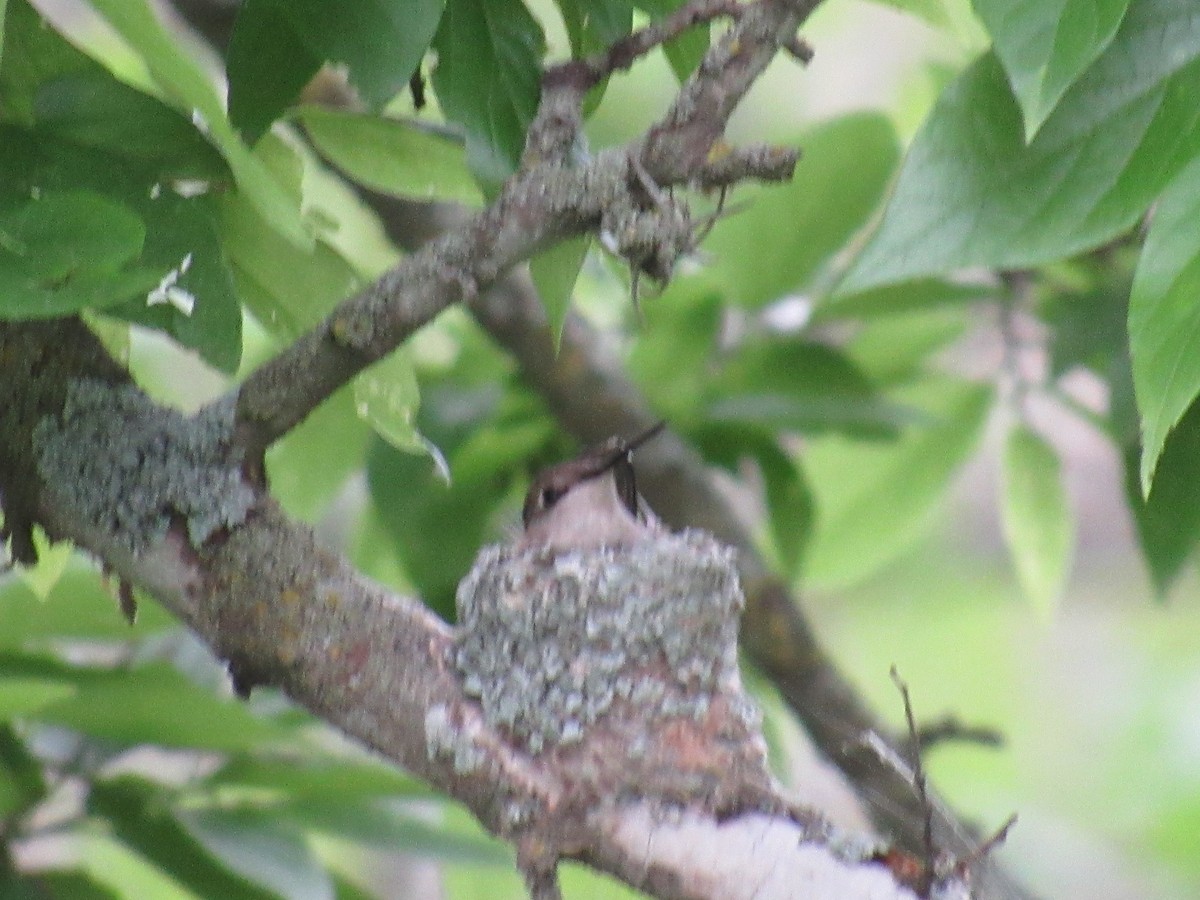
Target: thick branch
pixel 281 609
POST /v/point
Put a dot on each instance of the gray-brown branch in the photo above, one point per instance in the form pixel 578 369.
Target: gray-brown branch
pixel 547 201
pixel 160 499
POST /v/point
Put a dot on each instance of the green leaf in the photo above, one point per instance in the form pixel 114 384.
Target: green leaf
pixel 373 552
pixel 1168 521
pixel 76 608
pixel 800 226
pixel 1164 317
pixel 270 853
pixel 892 350
pixel 911 296
pixel 499 447
pixel 803 386
pixel 288 289
pixel 21 696
pixel 312 462
pixel 63 252
pixel 54 884
pixel 278 45
pixel 31 54
pixel 1169 836
pixel 493 882
pixel 184 286
pixel 1089 328
pixel 195 300
pixel 344 882
pixel 932 11
pixel 790 507
pixel 93 133
pixel 488 79
pixel 92 108
pixel 52 561
pixel 1038 525
pixel 554 273
pixel 971 192
pixel 112 333
pixel 594 25
pixel 392 827
pixel 320 778
pixel 875 500
pixel 343 219
pixel 45 666
pixel 188 87
pixel 1045 45
pixel 864 416
pixel 673 350
pixel 22 782
pixel 48 84
pixel 435 528
pixel 386 396
pixel 584 883
pixel 391 156
pixel 142 706
pixel 113 865
pixel 140 817
pixel 93 234
pixel 684 52
pixel 267 65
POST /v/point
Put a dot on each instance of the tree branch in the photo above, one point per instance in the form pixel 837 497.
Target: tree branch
pixel 264 595
pixel 545 202
pixel 622 54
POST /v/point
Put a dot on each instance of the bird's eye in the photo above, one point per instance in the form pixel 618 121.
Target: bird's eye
pixel 550 496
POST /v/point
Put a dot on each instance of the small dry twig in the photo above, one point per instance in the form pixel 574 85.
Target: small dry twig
pixel 924 884
pixel 950 729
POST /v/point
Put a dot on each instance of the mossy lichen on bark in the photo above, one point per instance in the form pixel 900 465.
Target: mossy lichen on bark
pixel 131 468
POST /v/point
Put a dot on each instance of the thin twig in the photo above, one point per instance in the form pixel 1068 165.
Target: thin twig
pixel 920 785
pixel 623 53
pixel 951 729
pixel 800 49
pixel 963 865
pixel 542 884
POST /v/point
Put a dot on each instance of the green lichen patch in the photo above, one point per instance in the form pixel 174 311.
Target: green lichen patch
pixel 130 467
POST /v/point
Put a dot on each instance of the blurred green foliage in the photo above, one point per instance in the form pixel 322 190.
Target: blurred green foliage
pixel 809 351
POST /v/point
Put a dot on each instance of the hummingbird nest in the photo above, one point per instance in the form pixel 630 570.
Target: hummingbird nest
pixel 621 661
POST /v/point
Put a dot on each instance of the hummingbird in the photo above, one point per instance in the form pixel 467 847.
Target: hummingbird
pixel 589 501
